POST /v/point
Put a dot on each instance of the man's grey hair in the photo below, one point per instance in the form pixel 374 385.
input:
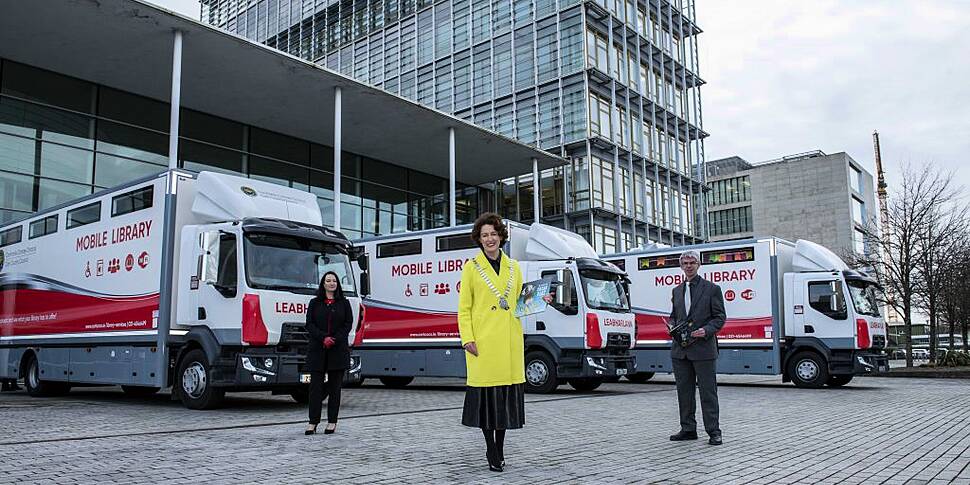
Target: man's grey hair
pixel 691 254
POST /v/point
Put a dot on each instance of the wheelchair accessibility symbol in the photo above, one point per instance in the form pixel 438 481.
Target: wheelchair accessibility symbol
pixel 407 291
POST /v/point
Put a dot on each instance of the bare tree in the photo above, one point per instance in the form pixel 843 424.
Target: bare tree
pixel 913 209
pixel 956 292
pixel 938 247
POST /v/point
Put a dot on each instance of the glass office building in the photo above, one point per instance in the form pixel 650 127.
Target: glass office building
pixel 611 85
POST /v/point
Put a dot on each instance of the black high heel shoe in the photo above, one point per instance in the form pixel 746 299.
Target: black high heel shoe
pixel 310 429
pixel 331 427
pixel 493 462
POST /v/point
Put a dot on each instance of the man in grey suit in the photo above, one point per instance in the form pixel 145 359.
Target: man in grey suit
pixel 695 318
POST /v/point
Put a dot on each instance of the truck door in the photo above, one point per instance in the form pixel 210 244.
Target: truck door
pixel 560 320
pixel 218 295
pixel 820 310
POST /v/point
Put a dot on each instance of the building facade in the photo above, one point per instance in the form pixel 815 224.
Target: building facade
pixel 612 86
pixel 828 199
pixel 71 127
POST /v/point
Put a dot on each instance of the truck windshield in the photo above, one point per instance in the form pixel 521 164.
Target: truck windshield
pixel 294 264
pixel 604 290
pixel 865 297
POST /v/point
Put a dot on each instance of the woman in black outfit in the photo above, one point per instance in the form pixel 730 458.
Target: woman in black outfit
pixel 328 321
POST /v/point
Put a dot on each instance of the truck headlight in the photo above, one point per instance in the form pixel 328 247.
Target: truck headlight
pixel 251 364
pixel 268 363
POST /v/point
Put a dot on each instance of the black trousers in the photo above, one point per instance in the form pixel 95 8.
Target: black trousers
pixel 334 379
pixel 691 375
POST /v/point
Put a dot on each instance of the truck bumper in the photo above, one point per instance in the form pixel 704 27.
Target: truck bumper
pixel 597 363
pixel 870 363
pixel 258 369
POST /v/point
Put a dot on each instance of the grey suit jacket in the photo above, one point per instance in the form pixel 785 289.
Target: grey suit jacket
pixel 706 311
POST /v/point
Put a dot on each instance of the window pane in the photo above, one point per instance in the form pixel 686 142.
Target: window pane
pixel 279 146
pixel 199 156
pixel 54 193
pixel 17 154
pixel 134 109
pixel 117 139
pixel 56 125
pixel 279 173
pixel 201 126
pixel 16 192
pixel 111 170
pixel 65 163
pixel 47 87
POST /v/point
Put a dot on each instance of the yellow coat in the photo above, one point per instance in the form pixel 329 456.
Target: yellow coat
pixel 497 333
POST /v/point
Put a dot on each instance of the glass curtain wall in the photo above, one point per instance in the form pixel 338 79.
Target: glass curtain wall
pixel 555 74
pixel 63 138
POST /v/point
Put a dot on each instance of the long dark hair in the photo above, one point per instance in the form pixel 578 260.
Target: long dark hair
pixel 338 294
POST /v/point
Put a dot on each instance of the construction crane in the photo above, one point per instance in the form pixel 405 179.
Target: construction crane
pixel 881 188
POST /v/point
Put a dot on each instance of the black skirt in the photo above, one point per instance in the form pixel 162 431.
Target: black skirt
pixel 494 407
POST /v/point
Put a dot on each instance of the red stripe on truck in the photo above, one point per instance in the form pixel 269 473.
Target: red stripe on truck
pixel 49 312
pixel 654 327
pixel 389 323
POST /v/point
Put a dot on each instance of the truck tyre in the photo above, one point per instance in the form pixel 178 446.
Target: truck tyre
pixel 639 377
pixel 585 384
pixel 302 395
pixel 540 372
pixel 396 382
pixel 139 391
pixel 839 380
pixel 41 388
pixel 808 369
pixel 193 382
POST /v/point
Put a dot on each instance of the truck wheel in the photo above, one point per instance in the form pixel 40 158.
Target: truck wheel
pixel 139 391
pixel 808 369
pixel 585 384
pixel 839 381
pixel 639 377
pixel 540 372
pixel 396 382
pixel 193 382
pixel 40 388
pixel 302 395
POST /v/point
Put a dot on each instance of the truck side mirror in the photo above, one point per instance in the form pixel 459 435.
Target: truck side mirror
pixel 362 261
pixel 364 284
pixel 210 257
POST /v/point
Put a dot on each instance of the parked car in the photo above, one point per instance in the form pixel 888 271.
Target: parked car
pixel 921 354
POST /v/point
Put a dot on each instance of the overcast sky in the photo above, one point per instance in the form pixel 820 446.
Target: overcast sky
pixel 790 76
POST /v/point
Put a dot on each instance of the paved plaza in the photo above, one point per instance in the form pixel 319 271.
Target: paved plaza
pixel 876 430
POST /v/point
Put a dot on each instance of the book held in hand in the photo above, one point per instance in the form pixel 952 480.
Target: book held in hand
pixel 530 300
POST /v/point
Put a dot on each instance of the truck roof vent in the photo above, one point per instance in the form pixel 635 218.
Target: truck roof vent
pixel 811 256
pixel 548 243
pixel 221 197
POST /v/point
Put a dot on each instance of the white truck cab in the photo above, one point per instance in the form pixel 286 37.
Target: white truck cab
pixel 411 328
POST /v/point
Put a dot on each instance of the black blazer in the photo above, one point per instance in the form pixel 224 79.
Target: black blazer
pixel 706 311
pixel 320 358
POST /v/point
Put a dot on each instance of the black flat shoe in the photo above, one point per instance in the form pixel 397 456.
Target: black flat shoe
pixel 684 436
pixel 715 440
pixel 310 429
pixel 331 427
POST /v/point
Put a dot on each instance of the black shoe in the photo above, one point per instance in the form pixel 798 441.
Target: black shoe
pixel 493 462
pixel 310 429
pixel 683 436
pixel 331 427
pixel 715 440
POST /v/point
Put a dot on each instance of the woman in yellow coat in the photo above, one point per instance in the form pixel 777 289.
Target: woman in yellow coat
pixel 492 338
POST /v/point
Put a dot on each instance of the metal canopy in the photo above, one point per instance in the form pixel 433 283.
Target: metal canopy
pixel 127 45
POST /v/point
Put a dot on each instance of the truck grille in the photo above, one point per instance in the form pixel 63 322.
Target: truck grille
pixel 294 334
pixel 878 341
pixel 618 340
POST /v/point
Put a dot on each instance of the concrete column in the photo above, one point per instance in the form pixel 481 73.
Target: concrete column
pixel 337 134
pixel 452 215
pixel 175 101
pixel 536 208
